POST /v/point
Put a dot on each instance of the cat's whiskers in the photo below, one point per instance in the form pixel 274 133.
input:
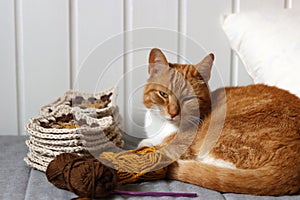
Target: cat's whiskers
pixel 193 120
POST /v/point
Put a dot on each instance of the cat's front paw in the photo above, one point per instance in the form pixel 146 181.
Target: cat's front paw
pixel 146 143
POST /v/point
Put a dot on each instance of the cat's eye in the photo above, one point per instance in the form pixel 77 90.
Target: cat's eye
pixel 163 94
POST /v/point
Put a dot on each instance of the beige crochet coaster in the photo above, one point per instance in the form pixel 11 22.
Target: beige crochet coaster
pixel 42 158
pixel 75 123
pixel 89 102
pixel 35 165
pixel 91 146
pixel 67 136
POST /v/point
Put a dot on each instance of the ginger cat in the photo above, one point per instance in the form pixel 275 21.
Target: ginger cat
pixel 235 139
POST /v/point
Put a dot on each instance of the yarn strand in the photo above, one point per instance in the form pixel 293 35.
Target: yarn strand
pixel 157 194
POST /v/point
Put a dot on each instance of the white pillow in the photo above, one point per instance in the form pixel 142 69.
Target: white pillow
pixel 268 45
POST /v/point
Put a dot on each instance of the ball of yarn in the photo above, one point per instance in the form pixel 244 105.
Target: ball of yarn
pixel 84 176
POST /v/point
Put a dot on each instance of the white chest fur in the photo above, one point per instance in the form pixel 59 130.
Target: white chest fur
pixel 157 128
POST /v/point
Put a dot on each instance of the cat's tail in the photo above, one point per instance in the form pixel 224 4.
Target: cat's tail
pixel 262 181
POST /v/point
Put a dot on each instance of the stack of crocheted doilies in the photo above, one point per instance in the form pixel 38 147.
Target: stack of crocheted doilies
pixel 80 123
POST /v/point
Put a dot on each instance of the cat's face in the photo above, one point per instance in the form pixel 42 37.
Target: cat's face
pixel 178 92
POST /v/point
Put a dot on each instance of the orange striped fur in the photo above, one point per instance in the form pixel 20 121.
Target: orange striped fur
pixel 235 139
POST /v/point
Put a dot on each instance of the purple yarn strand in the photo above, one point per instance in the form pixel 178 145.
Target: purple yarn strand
pixel 157 194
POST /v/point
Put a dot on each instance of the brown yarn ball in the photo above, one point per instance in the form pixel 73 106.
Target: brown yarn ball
pixel 84 176
pixel 88 177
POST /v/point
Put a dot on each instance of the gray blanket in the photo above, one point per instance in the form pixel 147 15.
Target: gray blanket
pixel 18 181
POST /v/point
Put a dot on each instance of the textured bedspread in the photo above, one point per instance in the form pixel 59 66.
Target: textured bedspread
pixel 18 181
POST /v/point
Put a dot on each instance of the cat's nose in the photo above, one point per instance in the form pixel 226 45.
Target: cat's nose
pixel 173 115
pixel 173 111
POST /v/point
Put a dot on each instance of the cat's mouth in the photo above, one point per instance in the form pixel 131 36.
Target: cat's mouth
pixel 172 119
pixel 161 114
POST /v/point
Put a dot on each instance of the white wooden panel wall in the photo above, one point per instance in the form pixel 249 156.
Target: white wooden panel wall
pixel 98 22
pixel 295 4
pixel 8 105
pixel 50 46
pixel 203 25
pixel 45 53
pixel 99 44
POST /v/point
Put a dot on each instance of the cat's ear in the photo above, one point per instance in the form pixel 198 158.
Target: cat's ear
pixel 157 61
pixel 204 67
